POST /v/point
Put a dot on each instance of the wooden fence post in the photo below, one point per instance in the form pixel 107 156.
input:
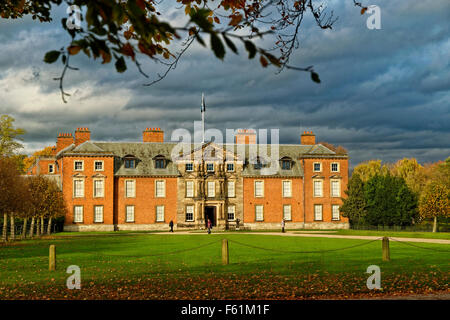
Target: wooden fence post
pixel 385 247
pixel 52 258
pixel 225 251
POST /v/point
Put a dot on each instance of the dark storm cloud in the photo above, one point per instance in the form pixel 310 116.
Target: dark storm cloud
pixel 384 93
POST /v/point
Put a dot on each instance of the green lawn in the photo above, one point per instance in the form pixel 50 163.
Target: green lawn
pixel 169 266
pixel 395 234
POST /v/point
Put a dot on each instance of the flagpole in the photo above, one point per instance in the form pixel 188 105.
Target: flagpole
pixel 203 119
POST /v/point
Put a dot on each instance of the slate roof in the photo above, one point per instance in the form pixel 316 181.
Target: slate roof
pixel 144 152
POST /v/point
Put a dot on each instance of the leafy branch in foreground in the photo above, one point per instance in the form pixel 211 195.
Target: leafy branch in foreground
pixel 123 30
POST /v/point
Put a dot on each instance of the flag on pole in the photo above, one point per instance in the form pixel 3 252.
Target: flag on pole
pixel 203 109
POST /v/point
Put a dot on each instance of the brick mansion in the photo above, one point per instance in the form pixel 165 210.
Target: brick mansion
pixel 141 186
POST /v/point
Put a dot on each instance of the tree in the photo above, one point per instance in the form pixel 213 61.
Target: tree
pixel 119 30
pixel 354 204
pixel 435 198
pixel 369 169
pixel 56 206
pixel 410 170
pixel 8 136
pixel 389 201
pixel 9 177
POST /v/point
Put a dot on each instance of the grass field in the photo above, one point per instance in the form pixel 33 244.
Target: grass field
pixel 395 234
pixel 152 266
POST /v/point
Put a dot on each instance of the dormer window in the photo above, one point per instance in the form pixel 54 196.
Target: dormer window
pixel 160 163
pixel 258 165
pixel 51 168
pixel 189 167
pixel 286 163
pixel 130 163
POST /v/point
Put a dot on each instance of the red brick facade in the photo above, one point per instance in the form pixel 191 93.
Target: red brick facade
pixel 113 186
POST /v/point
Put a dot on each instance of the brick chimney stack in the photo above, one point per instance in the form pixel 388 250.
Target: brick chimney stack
pixel 308 138
pixel 245 136
pixel 153 135
pixel 82 135
pixel 63 141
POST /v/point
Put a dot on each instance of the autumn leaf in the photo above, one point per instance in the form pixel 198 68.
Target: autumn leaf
pixel 263 61
pixel 235 19
pixel 73 50
pixel 363 10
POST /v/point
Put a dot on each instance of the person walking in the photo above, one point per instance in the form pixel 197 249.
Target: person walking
pixel 171 225
pixel 209 226
pixel 282 225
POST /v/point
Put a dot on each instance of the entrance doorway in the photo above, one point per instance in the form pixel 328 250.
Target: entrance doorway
pixel 210 213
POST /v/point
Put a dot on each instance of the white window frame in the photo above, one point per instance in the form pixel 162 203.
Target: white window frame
pixel 338 194
pixel 158 219
pixel 129 213
pixel 231 164
pixel 316 194
pixel 75 166
pixel 213 167
pixel 262 189
pixel 256 212
pixel 75 195
pixel 51 165
pixel 133 195
pixel 190 163
pixel 231 210
pixel 333 217
pixel 231 192
pixel 75 220
pixel 188 211
pixel 316 206
pixel 289 216
pixel 192 193
pixel 102 195
pixel 95 165
pixel 284 194
pixel 314 164
pixel 213 194
pixel 95 214
pixel 338 167
pixel 162 194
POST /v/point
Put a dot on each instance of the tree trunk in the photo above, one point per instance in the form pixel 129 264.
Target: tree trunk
pixel 12 232
pixel 5 227
pixel 24 231
pixel 42 225
pixel 38 228
pixel 49 226
pixel 435 224
pixel 32 227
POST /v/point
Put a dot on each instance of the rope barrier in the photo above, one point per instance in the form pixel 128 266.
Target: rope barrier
pixel 416 246
pixel 318 251
pixel 161 254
